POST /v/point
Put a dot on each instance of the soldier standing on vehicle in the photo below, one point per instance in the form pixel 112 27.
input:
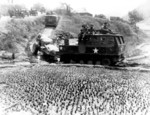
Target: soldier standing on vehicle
pixel 83 31
pixel 106 29
pixel 84 28
pixel 81 35
pixel 105 25
pixel 91 29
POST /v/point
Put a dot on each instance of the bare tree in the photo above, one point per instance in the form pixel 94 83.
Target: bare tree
pixel 67 8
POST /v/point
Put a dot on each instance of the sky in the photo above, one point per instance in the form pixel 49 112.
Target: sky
pixel 107 7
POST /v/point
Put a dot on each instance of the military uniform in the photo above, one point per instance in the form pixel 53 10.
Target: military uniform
pixel 91 30
pixel 105 26
pixel 84 28
pixel 105 29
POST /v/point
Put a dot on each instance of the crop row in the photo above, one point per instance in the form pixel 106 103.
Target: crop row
pixel 83 91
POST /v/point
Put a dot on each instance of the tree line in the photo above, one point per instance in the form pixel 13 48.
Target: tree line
pixel 65 9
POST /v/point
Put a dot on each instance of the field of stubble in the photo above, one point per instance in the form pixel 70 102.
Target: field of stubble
pixel 55 90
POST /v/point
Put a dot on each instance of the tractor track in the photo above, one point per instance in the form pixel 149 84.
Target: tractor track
pixel 127 67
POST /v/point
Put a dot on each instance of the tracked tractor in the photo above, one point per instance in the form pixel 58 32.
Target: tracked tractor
pixel 100 47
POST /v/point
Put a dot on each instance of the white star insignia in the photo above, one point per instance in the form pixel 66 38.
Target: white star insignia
pixel 95 50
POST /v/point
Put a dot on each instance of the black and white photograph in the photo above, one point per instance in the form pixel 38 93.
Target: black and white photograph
pixel 74 57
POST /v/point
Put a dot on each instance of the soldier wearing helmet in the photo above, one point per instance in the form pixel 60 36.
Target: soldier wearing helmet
pixel 105 29
pixel 80 36
pixel 91 29
pixel 84 28
pixel 39 39
pixel 83 31
pixel 105 25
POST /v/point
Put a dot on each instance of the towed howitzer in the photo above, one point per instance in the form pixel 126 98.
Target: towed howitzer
pixel 45 48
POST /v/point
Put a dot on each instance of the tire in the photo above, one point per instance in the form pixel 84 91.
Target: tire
pixel 72 61
pixel 98 63
pixel 106 61
pixel 81 62
pixel 90 62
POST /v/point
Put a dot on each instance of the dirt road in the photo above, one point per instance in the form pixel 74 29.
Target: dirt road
pixel 48 32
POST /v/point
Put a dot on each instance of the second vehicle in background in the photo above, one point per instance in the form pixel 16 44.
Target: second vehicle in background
pixel 51 21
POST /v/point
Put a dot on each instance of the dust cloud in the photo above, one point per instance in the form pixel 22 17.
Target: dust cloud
pixel 144 48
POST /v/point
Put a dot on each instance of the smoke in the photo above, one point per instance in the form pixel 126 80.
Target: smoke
pixel 144 9
pixel 145 26
pixel 144 48
pixel 143 56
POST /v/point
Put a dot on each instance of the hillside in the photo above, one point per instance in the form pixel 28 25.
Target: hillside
pixel 19 32
pixel 16 32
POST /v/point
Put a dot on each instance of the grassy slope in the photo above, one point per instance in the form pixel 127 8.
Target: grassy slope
pixel 19 32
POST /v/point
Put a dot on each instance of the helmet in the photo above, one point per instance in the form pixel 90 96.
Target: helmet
pixel 83 26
